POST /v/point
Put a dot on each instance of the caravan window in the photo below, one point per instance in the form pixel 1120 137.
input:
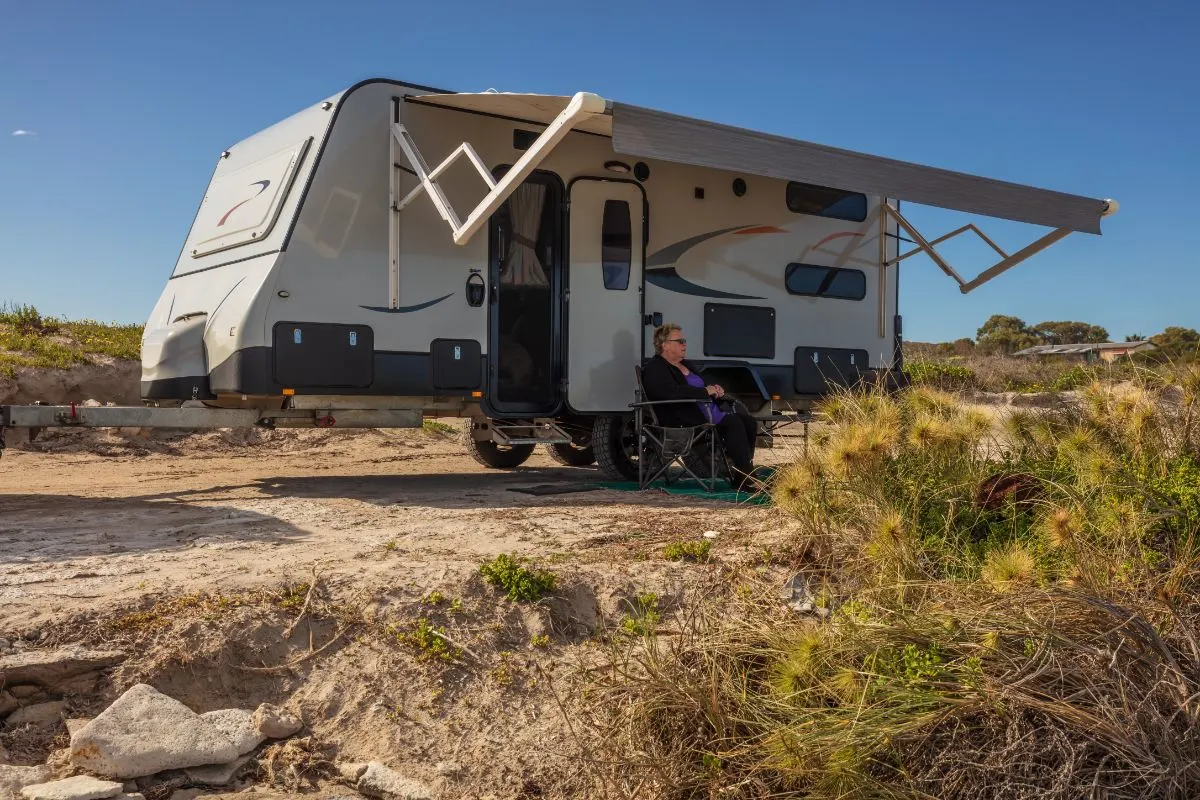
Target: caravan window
pixel 835 282
pixel 821 201
pixel 617 244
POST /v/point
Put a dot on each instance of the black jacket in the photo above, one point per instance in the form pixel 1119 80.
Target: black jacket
pixel 664 381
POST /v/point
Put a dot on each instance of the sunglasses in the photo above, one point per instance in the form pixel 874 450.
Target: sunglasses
pixel 681 341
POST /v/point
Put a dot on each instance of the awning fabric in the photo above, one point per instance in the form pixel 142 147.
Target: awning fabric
pixel 647 133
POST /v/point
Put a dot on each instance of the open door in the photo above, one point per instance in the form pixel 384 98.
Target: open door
pixel 604 305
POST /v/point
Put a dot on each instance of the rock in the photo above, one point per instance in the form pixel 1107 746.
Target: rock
pixel 186 794
pixel 76 725
pixel 14 779
pixel 3 755
pixel 5 646
pixel 238 725
pixel 81 787
pixel 351 770
pixel 447 768
pixel 27 692
pixel 217 774
pixel 8 703
pixel 145 732
pixel 275 723
pixel 39 714
pixel 162 784
pixel 49 668
pixel 711 534
pixel 131 796
pixel 381 782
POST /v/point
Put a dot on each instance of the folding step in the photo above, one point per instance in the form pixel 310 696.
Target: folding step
pixel 536 432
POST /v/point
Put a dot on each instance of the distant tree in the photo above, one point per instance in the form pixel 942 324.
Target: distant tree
pixel 1176 344
pixel 1069 333
pixel 1135 337
pixel 1004 334
pixel 963 346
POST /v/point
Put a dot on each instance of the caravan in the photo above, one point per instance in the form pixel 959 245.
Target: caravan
pixel 397 252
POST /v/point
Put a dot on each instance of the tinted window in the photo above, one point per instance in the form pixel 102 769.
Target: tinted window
pixel 814 281
pixel 821 201
pixel 617 244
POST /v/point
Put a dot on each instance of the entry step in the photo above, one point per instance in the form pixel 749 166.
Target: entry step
pixel 538 432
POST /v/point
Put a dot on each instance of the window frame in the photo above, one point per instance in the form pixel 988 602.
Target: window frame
pixel 787 199
pixel 827 281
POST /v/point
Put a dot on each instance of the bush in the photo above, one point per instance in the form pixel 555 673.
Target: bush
pixel 1013 614
pixel 688 551
pixel 520 583
pixel 939 374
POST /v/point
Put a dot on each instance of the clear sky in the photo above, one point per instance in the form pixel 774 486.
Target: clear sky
pixel 126 105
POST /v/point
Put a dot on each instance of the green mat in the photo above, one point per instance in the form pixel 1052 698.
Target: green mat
pixel 724 491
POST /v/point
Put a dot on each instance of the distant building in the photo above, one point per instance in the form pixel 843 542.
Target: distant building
pixel 1103 351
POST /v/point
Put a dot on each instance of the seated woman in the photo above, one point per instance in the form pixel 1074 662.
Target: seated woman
pixel 670 376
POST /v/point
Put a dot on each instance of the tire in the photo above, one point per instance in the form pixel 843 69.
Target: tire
pixel 615 445
pixel 496 456
pixel 571 455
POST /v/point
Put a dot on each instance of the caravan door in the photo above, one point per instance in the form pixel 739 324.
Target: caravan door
pixel 604 300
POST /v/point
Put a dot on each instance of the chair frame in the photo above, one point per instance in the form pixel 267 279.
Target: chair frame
pixel 673 444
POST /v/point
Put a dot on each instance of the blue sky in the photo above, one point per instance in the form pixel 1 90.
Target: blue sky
pixel 131 102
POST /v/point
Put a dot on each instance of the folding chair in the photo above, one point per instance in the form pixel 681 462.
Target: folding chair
pixel 661 447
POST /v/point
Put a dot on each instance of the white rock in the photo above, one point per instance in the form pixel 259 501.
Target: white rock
pixel 711 534
pixel 381 782
pixel 13 779
pixel 275 723
pixel 81 787
pixel 238 725
pixel 145 732
pixel 447 768
pixel 76 725
pixel 217 774
pixel 351 770
pixel 38 714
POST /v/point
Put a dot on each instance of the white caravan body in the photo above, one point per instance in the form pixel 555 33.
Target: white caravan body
pixel 323 266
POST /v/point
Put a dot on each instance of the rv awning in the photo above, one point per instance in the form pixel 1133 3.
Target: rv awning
pixel 654 134
pixel 646 133
pixel 538 109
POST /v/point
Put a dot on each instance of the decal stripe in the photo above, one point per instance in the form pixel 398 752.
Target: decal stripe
pixel 407 309
pixel 672 281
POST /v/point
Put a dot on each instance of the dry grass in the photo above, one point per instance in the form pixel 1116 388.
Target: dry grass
pixel 1013 616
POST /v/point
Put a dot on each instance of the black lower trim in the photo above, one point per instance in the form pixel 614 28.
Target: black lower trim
pixel 194 387
pixel 250 371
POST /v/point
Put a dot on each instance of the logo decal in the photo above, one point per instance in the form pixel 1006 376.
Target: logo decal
pixel 262 188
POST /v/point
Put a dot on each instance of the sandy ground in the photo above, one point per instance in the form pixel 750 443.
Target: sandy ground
pixel 96 524
pixel 92 518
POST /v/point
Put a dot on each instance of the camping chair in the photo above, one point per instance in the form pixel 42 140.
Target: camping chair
pixel 661 447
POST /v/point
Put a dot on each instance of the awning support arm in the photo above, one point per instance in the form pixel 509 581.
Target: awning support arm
pixel 1006 262
pixel 583 106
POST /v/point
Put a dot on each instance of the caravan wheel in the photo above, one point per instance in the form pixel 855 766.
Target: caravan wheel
pixel 571 455
pixel 615 444
pixel 496 456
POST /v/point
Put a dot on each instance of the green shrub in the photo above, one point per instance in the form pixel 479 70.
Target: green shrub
pixel 940 375
pixel 521 584
pixel 688 551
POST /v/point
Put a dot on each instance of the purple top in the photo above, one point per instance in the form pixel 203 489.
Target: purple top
pixel 707 406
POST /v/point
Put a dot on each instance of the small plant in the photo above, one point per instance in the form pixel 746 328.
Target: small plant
pixel 521 584
pixel 440 428
pixel 434 598
pixel 390 546
pixel 429 642
pixel 688 551
pixel 456 606
pixel 644 617
pixel 542 640
pixel 293 596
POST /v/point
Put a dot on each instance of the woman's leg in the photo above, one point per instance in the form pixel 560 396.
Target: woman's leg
pixel 739 445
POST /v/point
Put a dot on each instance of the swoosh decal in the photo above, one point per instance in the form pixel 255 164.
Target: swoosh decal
pixel 264 184
pixel 407 309
pixel 672 281
pixel 661 271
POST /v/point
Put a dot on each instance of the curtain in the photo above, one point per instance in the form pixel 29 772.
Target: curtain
pixel 522 267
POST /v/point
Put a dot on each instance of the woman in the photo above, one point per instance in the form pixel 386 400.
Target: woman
pixel 670 376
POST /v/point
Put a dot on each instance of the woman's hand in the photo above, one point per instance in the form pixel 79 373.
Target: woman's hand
pixel 715 390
